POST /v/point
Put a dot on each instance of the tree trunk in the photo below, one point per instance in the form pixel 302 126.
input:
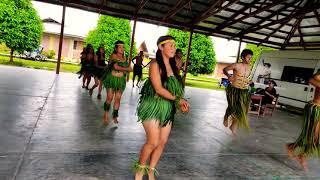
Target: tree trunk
pixel 11 55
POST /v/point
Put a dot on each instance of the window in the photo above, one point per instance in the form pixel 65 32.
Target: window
pixel 298 75
pixel 75 44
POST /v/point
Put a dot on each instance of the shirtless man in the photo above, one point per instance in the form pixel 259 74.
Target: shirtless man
pixel 137 68
pixel 237 93
pixel 307 143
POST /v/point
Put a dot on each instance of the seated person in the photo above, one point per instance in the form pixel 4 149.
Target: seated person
pixel 269 93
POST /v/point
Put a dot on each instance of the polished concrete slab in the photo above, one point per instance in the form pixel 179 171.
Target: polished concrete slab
pixel 52 129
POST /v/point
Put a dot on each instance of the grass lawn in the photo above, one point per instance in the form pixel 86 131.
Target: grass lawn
pixel 201 81
pixel 39 65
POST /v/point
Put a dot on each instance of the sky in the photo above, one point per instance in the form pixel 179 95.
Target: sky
pixel 80 22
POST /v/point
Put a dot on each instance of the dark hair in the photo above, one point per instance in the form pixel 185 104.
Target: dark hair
pixel 246 52
pixel 273 82
pixel 89 46
pixel 99 54
pixel 116 44
pixel 178 50
pixel 161 64
pixel 267 64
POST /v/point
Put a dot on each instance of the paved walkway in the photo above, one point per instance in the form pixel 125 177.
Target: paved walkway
pixel 51 129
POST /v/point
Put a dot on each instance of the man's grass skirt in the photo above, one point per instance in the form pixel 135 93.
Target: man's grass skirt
pixel 308 141
pixel 238 104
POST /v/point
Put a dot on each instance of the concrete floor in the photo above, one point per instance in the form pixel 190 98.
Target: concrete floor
pixel 51 129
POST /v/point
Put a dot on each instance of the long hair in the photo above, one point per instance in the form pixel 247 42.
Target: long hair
pixel 101 56
pixel 159 59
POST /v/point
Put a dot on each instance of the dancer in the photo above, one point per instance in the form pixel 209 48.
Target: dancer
pixel 179 64
pixel 82 58
pixel 238 96
pixel 114 80
pixel 161 95
pixel 307 144
pixel 137 68
pixel 87 66
pixel 100 65
pixel 178 58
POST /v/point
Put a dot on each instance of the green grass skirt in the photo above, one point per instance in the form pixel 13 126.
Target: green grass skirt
pixel 308 141
pixel 153 107
pixel 238 105
pixel 114 83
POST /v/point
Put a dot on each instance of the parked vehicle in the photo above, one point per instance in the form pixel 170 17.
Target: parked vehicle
pixel 35 55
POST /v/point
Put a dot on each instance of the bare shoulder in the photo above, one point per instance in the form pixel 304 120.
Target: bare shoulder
pixel 317 77
pixel 112 56
pixel 154 64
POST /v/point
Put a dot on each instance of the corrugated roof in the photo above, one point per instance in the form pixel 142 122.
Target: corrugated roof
pixel 282 24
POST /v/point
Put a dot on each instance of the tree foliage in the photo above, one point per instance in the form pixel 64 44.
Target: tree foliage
pixel 257 51
pixel 108 31
pixel 202 54
pixel 20 26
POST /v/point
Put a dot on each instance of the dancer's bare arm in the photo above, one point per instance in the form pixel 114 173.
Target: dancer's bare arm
pixel 119 68
pixel 229 68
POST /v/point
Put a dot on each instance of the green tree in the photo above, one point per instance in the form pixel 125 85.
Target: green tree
pixel 202 55
pixel 257 51
pixel 20 26
pixel 108 31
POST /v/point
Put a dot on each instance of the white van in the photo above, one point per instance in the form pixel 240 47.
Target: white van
pixel 291 70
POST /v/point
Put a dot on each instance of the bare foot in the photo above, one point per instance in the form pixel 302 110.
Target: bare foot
pixel 115 120
pixel 289 151
pixel 106 118
pixel 302 160
pixel 234 132
pixel 151 175
pixel 139 175
pixel 233 129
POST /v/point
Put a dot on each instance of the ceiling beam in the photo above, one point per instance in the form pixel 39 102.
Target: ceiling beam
pixel 213 9
pixel 275 13
pixel 277 29
pixel 270 34
pixel 248 15
pixel 301 37
pixel 317 15
pixel 293 30
pixel 141 4
pixel 297 14
pixel 178 7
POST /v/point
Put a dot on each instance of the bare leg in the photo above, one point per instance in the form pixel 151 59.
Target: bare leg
pixel 88 81
pixel 139 79
pixel 152 130
pixel 116 105
pixel 157 152
pixel 290 151
pixel 234 127
pixel 109 98
pixel 100 89
pixel 84 78
pixel 302 160
pixel 96 84
pixel 134 77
